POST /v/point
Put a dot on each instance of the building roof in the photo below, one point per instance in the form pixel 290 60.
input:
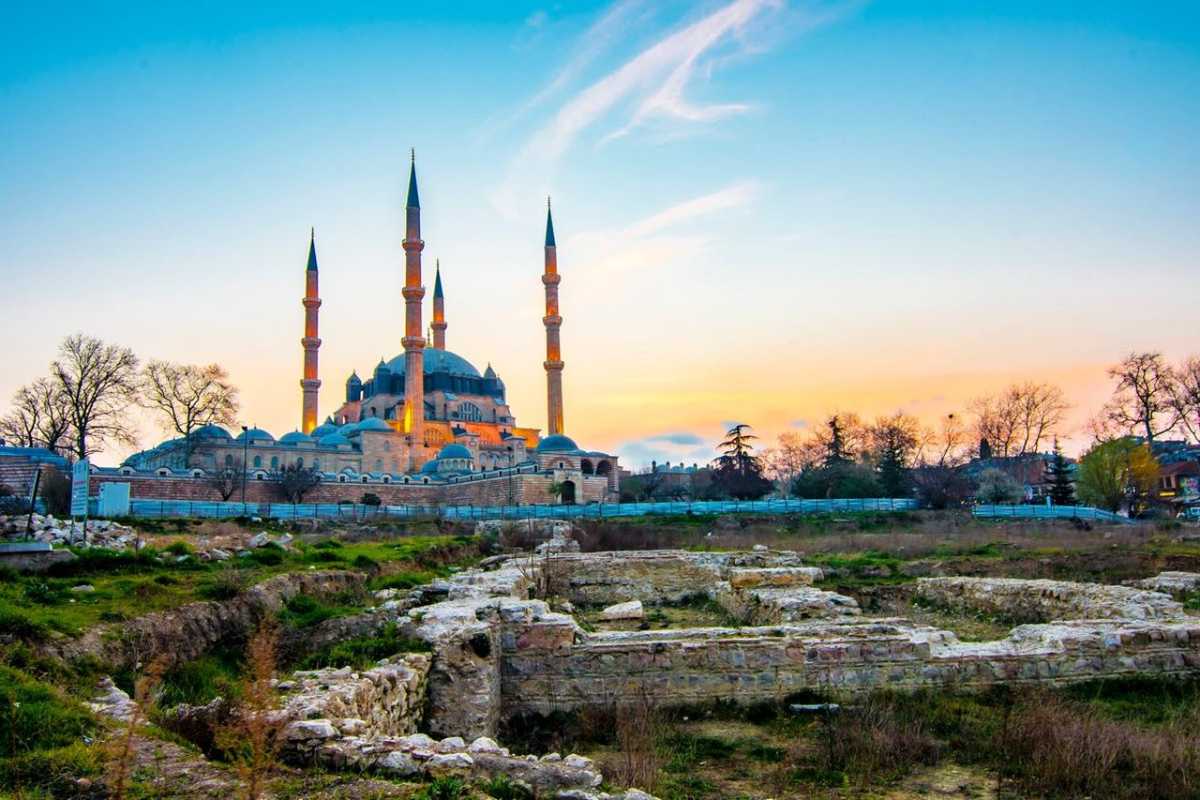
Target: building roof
pixel 324 429
pixel 334 439
pixel 549 226
pixel 255 435
pixel 437 281
pixel 295 437
pixel 454 450
pixel 312 252
pixel 211 432
pixel 413 200
pixel 370 424
pixel 558 443
pixel 437 361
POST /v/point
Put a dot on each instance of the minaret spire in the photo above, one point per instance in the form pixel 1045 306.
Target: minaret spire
pixel 439 310
pixel 552 321
pixel 310 384
pixel 413 342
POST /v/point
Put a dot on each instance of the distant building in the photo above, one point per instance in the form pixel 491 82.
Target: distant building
pixel 1030 470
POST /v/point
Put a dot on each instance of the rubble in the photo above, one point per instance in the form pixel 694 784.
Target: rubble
pixel 622 611
pixel 1176 584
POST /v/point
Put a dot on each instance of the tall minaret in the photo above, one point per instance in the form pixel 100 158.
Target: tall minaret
pixel 309 384
pixel 439 311
pixel 552 321
pixel 414 343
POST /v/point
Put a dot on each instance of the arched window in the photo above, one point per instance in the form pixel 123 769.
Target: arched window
pixel 300 463
pixel 469 412
pixel 258 461
pixel 604 468
pixel 316 463
pixel 341 478
pixel 274 462
pixel 586 467
pixel 228 460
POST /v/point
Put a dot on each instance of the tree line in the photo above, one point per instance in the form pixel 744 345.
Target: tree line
pixel 84 402
pixel 897 455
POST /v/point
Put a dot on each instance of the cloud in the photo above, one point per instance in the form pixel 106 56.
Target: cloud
pixel 733 196
pixel 655 81
pixel 799 423
pixel 681 438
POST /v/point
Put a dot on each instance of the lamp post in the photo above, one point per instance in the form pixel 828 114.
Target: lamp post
pixel 245 460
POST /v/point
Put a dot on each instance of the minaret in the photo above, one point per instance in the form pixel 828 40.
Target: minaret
pixel 552 321
pixel 439 311
pixel 414 343
pixel 309 384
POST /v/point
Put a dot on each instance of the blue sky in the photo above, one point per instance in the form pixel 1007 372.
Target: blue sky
pixel 766 210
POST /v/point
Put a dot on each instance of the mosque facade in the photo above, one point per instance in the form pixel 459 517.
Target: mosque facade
pixel 425 418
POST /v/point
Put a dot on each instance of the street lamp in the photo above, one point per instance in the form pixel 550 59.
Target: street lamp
pixel 245 461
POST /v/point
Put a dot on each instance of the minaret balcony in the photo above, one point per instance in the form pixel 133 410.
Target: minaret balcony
pixel 551 279
pixel 553 366
pixel 552 321
pixel 413 292
pixel 311 302
pixel 413 342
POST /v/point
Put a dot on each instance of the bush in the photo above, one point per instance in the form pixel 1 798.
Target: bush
pixel 443 789
pixel 371 499
pixel 55 489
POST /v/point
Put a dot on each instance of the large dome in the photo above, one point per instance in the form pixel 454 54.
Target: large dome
pixel 438 361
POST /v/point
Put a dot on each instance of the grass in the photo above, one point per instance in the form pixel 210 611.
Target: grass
pixel 126 585
pixel 42 733
pixel 363 651
pixel 215 674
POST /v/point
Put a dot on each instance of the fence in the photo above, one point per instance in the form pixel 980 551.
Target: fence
pixel 1048 512
pixel 186 508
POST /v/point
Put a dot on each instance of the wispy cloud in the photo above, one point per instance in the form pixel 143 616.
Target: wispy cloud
pixel 733 196
pixel 679 438
pixel 658 239
pixel 656 81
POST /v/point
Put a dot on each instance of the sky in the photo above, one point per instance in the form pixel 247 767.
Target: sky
pixel 766 210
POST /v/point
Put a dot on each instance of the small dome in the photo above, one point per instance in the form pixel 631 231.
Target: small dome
pixel 372 424
pixel 429 468
pixel 255 435
pixel 557 444
pixel 211 432
pixel 295 437
pixel 324 429
pixel 334 439
pixel 454 451
pixel 354 380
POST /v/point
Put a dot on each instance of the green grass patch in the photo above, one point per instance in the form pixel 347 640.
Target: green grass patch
pixel 364 651
pixel 41 734
pixel 213 675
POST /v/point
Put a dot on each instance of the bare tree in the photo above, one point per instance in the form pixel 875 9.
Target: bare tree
pixel 228 480
pixel 188 396
pixel 1187 396
pixel 40 416
pixel 946 445
pixel 100 383
pixel 1145 397
pixel 793 454
pixel 1017 420
pixel 294 481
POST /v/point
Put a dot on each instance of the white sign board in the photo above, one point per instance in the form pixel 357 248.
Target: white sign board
pixel 79 488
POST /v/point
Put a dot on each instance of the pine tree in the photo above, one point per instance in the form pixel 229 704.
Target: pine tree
pixel 739 473
pixel 1058 475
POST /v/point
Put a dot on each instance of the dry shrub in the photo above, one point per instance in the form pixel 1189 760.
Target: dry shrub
pixel 877 740
pixel 638 727
pixel 119 751
pixel 1058 749
pixel 252 738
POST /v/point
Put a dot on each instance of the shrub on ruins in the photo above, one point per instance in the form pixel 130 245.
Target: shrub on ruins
pixel 296 480
pixel 252 738
pixel 370 499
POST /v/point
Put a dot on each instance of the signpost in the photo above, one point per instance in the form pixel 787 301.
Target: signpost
pixel 80 478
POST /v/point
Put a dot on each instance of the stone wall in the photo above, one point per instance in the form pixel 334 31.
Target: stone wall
pixel 522 489
pixel 385 700
pixel 547 670
pixel 1045 600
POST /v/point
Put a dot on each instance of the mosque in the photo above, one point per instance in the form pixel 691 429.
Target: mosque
pixel 422 419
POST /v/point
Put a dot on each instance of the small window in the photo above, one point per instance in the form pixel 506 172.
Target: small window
pixel 258 461
pixel 387 478
pixel 228 460
pixel 126 470
pixel 163 472
pixel 274 462
pixel 341 478
pixel 197 473
pixel 364 478
pixel 425 480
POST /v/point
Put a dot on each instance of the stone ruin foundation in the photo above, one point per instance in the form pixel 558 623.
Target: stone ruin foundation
pixel 497 652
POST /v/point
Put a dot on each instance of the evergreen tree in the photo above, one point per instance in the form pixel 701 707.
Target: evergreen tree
pixel 836 453
pixel 738 472
pixel 1058 475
